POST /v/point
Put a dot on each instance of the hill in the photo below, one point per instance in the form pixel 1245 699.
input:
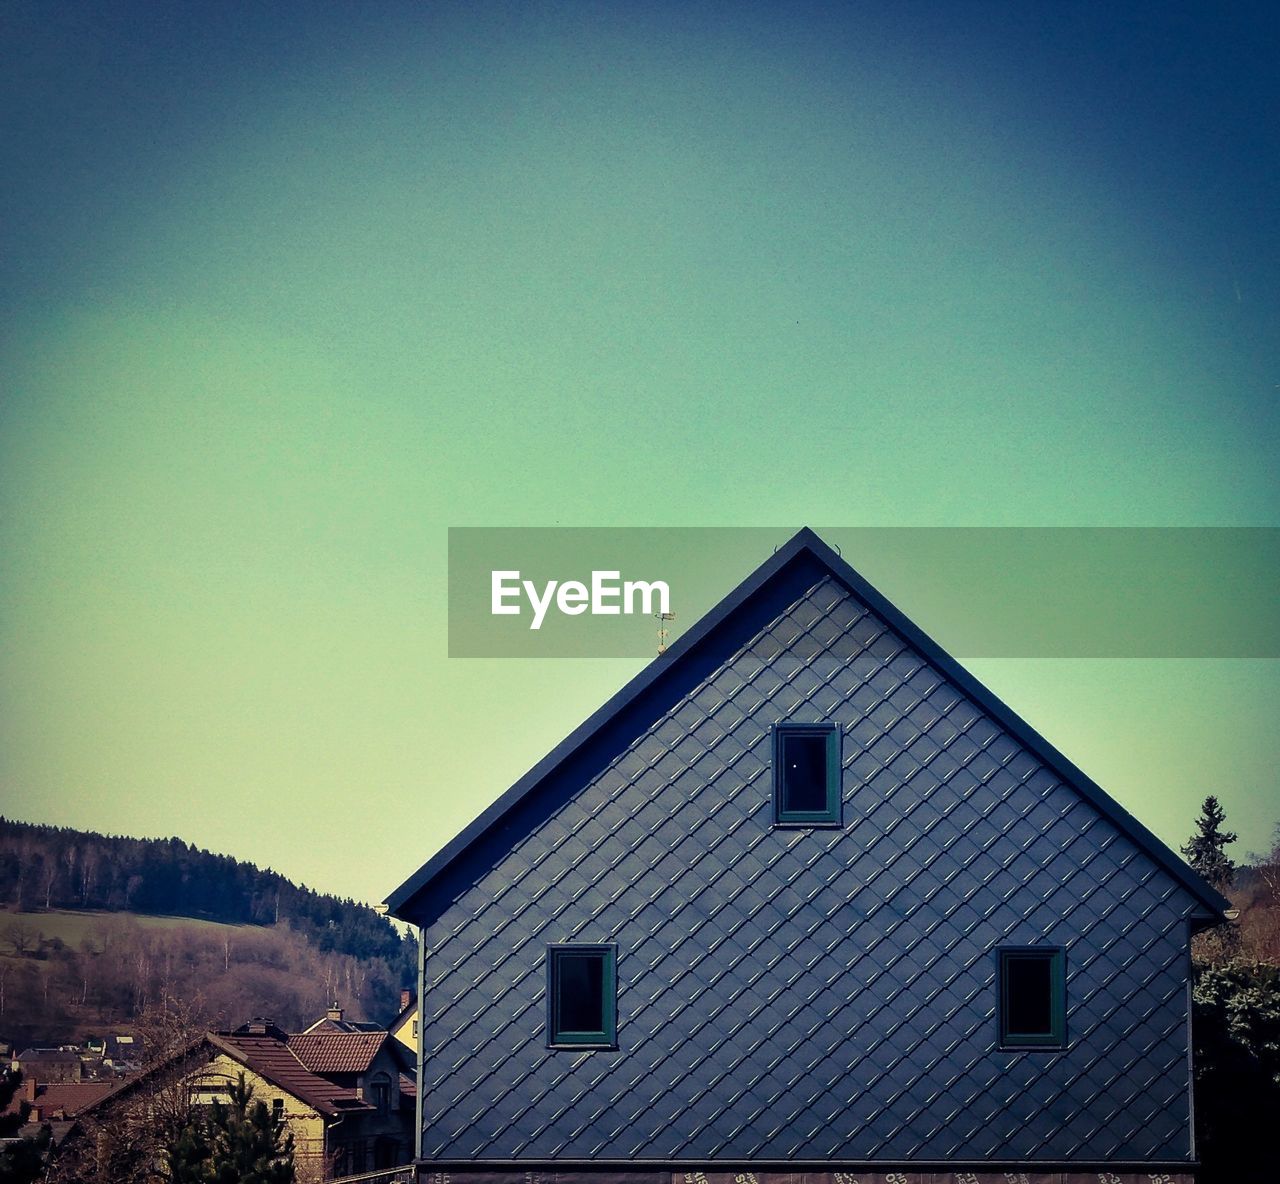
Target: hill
pixel 95 929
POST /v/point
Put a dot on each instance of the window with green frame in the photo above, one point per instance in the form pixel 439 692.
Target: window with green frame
pixel 806 775
pixel 1033 997
pixel 582 996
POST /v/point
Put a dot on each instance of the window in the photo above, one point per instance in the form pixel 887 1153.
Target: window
pixel 1033 997
pixel 806 775
pixel 380 1089
pixel 277 1110
pixel 582 996
pixel 386 1152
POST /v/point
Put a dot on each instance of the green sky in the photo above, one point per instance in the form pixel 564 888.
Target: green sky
pixel 290 291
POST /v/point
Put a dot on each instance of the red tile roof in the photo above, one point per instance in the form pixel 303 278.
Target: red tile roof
pixel 336 1052
pixel 69 1097
pixel 272 1059
pixel 59 1098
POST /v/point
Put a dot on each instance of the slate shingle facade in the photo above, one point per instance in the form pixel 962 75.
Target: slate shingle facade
pixel 806 996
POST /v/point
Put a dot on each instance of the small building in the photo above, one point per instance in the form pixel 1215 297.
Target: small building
pixel 49 1064
pixel 806 897
pixel 346 1097
pixel 55 1105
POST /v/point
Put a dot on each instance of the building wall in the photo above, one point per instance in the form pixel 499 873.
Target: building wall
pixel 406 1031
pixel 356 1140
pixel 788 995
pixel 306 1126
pixel 53 1070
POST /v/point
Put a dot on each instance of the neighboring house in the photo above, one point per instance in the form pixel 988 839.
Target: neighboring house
pixel 404 1027
pixel 49 1064
pixel 55 1105
pixel 346 1097
pixel 111 1055
pixel 806 896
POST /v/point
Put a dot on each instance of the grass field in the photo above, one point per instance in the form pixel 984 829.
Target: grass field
pixel 72 925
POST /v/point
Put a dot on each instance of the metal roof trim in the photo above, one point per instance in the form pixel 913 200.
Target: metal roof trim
pixel 807 542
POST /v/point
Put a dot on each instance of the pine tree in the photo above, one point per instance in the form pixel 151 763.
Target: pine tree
pixel 1206 849
pixel 235 1144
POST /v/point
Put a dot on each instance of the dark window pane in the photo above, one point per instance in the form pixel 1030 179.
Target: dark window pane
pixel 804 773
pixel 581 993
pixel 1029 1006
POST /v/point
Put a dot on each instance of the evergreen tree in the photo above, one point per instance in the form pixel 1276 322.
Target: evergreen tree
pixel 1206 849
pixel 235 1144
pixel 1236 1029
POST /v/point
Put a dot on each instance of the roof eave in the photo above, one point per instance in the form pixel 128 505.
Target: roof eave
pixel 805 540
pixel 398 900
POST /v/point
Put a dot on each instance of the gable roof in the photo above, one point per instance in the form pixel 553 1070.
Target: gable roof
pixel 267 1054
pixel 337 1052
pixel 272 1058
pixel 48 1056
pixel 64 1098
pixel 804 546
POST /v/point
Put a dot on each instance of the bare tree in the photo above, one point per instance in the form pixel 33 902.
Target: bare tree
pixel 22 938
pixel 125 1138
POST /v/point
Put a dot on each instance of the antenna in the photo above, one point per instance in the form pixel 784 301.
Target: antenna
pixel 662 619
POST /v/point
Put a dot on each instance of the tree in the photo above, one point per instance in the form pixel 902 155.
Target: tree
pixel 124 1138
pixel 1236 1030
pixel 22 938
pixel 235 1144
pixel 1206 850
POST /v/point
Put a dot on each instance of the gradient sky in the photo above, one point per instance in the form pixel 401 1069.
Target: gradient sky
pixel 287 290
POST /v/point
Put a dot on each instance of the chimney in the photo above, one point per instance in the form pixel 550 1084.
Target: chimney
pixel 335 1013
pixel 405 996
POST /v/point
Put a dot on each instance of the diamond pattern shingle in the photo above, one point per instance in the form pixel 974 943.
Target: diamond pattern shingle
pixel 811 995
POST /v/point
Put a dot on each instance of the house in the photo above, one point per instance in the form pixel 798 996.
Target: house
pixel 48 1064
pixel 55 1105
pixel 347 1097
pixel 112 1055
pixel 404 1028
pixel 805 896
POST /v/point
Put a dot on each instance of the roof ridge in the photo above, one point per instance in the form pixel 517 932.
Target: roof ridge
pixel 805 542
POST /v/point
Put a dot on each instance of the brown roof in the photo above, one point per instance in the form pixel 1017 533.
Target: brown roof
pixel 336 1052
pixel 68 1097
pixel 272 1058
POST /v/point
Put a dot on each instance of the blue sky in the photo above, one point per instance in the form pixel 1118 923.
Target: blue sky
pixel 291 289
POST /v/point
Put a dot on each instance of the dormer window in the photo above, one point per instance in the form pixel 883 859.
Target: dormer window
pixel 806 775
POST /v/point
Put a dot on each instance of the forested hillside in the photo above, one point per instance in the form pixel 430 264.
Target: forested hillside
pixel 257 943
pixel 51 867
